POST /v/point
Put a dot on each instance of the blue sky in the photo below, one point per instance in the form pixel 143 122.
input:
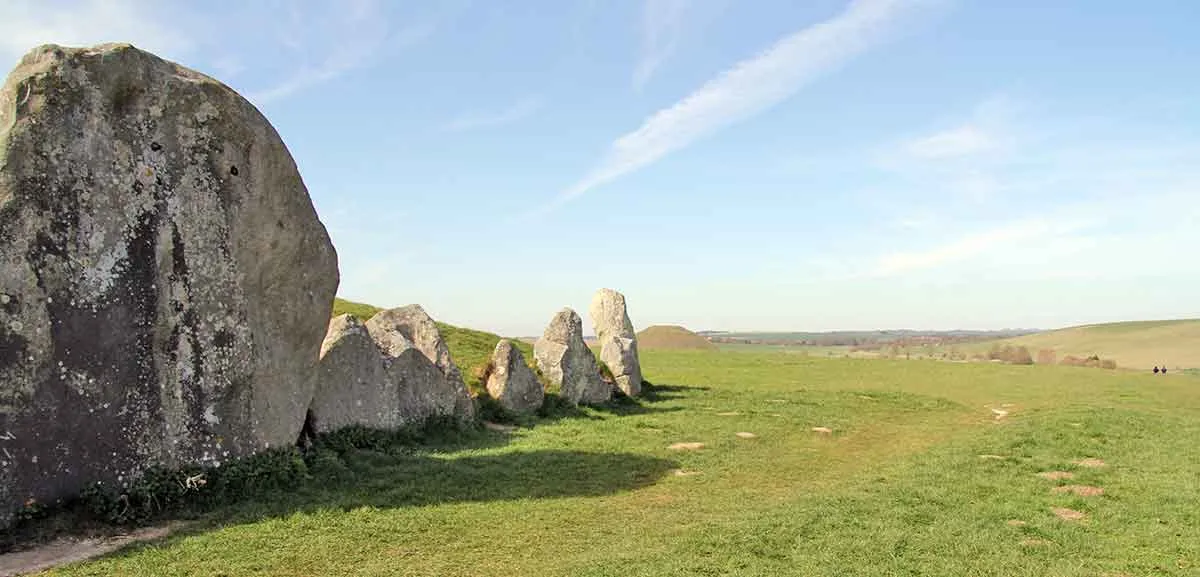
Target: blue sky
pixel 767 165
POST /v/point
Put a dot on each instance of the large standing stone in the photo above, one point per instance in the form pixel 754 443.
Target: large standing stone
pixel 377 379
pixel 618 341
pixel 511 382
pixel 164 279
pixel 566 360
pixel 411 326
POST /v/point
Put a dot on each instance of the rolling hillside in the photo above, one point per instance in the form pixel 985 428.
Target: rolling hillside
pixel 1136 345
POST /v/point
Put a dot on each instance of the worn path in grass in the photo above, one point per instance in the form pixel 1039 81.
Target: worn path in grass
pixel 915 476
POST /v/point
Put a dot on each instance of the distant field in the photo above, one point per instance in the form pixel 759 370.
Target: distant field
pixel 809 466
pixel 1140 344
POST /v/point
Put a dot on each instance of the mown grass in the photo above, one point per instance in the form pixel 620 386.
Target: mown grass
pixel 898 488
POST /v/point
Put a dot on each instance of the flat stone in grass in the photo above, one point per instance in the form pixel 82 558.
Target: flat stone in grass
pixel 686 473
pixel 993 457
pixel 1056 475
pixel 822 430
pixel 1079 490
pixel 686 446
pixel 746 435
pixel 1068 514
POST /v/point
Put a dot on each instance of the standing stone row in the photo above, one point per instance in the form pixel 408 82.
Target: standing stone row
pixel 567 362
pixel 166 289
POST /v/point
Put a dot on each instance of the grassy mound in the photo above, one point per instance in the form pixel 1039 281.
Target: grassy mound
pixel 361 310
pixel 672 337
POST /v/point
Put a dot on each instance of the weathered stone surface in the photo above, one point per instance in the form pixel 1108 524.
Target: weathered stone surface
pixel 565 360
pixel 375 377
pixel 618 340
pixel 164 279
pixel 353 384
pixel 511 382
pixel 410 326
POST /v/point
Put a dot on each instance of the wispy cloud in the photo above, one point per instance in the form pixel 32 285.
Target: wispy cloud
pixel 519 110
pixel 959 141
pixel 746 89
pixel 331 42
pixel 986 131
pixel 25 24
pixel 976 245
pixel 662 21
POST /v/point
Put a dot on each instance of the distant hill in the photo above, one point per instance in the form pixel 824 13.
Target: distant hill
pixel 672 337
pixel 470 349
pixel 863 339
pixel 1137 344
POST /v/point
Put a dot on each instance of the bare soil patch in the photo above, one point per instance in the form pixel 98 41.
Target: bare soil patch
pixel 1080 490
pixel 1068 514
pixel 728 414
pixel 72 550
pixel 746 435
pixel 686 446
pixel 822 430
pixel 497 427
pixel 1056 475
pixel 1091 463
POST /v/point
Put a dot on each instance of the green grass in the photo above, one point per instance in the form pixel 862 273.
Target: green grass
pixel 361 310
pixel 898 488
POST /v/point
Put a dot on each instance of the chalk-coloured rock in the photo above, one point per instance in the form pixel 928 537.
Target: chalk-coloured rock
pixel 565 360
pixel 410 326
pixel 165 282
pixel 618 340
pixel 511 382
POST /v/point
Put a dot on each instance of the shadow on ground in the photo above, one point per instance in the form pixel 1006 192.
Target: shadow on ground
pixel 424 468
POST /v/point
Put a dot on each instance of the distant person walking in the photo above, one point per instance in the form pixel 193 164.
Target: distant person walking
pixel 1156 369
pixel 1164 369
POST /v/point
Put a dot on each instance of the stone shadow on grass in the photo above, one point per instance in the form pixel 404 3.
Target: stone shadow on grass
pixel 360 478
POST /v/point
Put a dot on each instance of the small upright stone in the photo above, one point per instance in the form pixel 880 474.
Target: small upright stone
pixel 618 341
pixel 419 330
pixel 511 382
pixel 565 360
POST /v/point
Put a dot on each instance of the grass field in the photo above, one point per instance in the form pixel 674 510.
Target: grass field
pixel 1139 344
pixel 919 476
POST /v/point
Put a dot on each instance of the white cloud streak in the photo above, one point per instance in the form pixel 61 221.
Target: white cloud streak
pixel 964 140
pixel 349 39
pixel 662 22
pixel 520 110
pixel 746 89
